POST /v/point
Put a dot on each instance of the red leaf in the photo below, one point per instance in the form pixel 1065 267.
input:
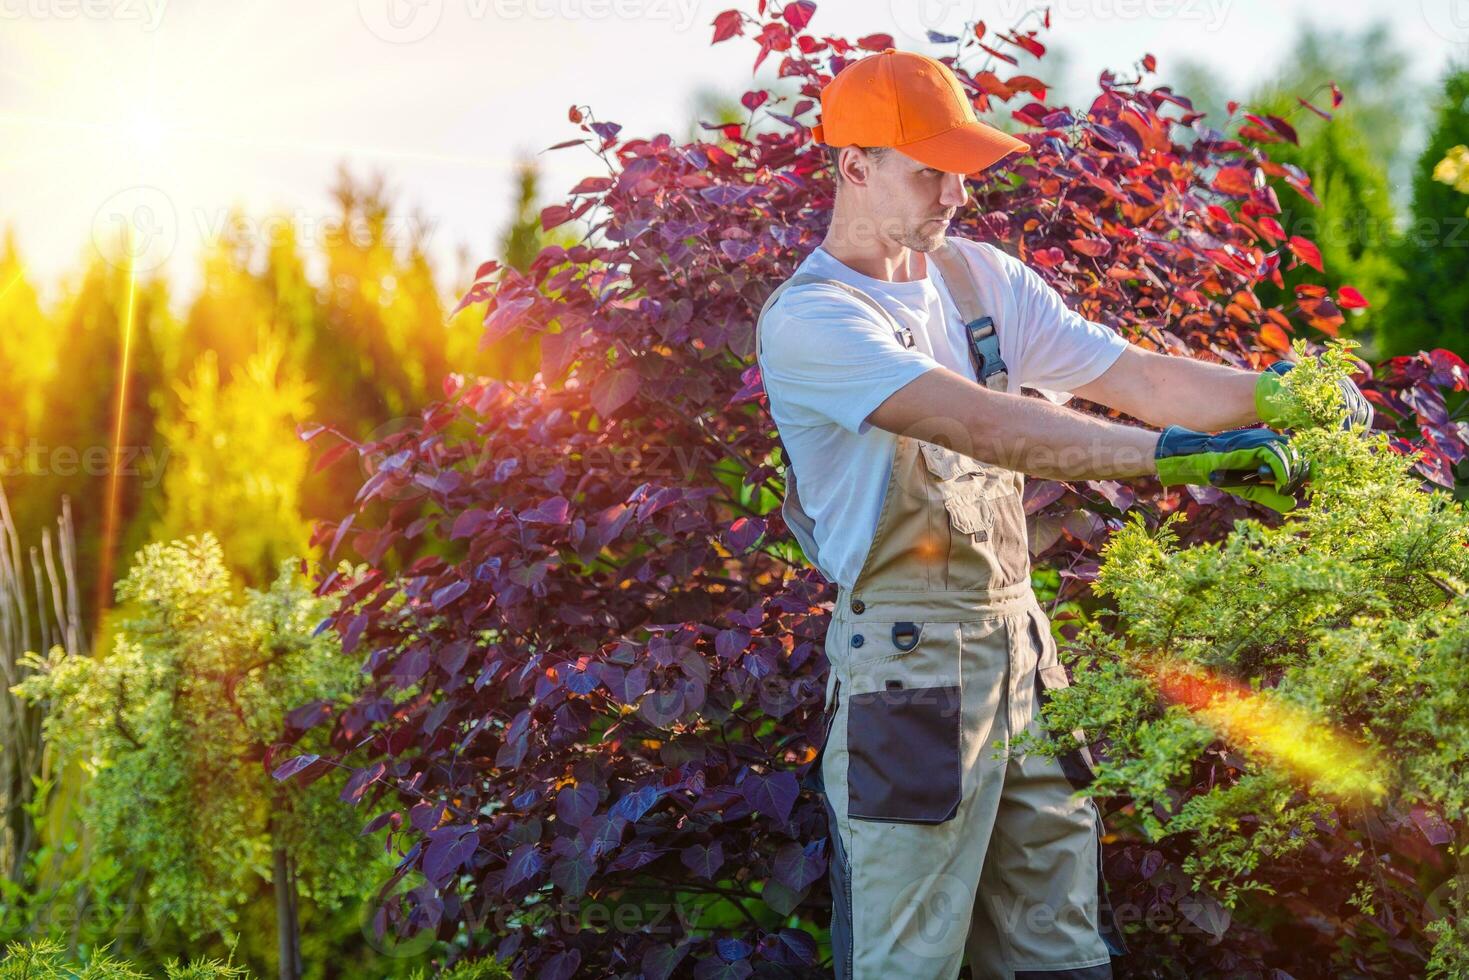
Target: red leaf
pixel 753 100
pixel 1335 95
pixel 1320 112
pixel 500 320
pixel 1306 250
pixel 1234 181
pixel 875 42
pixel 341 533
pixel 727 25
pixel 1048 257
pixel 798 14
pixel 332 455
pixel 1025 83
pixel 1150 63
pixel 592 185
pixel 1090 246
pixel 1026 41
pixel 1274 337
pixel 1348 298
pixel 556 214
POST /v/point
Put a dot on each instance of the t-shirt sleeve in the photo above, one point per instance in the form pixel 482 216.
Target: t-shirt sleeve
pixel 1060 349
pixel 825 357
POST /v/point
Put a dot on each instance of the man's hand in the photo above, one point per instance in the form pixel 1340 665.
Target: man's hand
pixel 1270 398
pixel 1237 461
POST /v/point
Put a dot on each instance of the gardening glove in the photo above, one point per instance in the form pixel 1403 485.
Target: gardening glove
pixel 1256 464
pixel 1270 400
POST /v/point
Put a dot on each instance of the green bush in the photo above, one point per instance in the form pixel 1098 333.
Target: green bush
pixel 1317 664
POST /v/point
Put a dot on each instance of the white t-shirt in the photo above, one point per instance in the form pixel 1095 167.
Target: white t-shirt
pixel 828 360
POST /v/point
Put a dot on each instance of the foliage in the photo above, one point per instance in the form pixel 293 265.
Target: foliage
pixel 237 469
pixel 1431 306
pixel 1453 169
pixel 1348 235
pixel 46 960
pixel 1315 668
pixel 596 680
pixel 173 724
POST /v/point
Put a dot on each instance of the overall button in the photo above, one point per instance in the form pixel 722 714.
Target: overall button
pixel 858 606
pixel 857 640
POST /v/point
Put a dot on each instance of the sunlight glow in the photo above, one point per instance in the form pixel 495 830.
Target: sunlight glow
pixel 1279 733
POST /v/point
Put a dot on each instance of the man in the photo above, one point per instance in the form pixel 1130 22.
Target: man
pixel 907 437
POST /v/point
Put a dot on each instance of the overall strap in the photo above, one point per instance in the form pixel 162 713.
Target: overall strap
pixel 984 342
pixel 797 519
pixel 904 334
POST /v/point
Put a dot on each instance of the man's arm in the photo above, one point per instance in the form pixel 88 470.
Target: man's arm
pixel 1026 434
pixel 1162 390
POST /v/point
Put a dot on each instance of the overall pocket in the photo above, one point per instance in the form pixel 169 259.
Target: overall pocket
pixel 967 486
pixel 904 723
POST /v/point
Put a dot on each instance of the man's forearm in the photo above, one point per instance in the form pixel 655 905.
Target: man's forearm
pixel 1027 434
pixel 1049 441
pixel 1206 397
pixel 1164 390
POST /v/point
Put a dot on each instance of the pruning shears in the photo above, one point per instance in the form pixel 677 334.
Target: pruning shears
pixel 1263 474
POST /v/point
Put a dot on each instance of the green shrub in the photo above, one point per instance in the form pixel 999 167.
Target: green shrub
pixel 1319 664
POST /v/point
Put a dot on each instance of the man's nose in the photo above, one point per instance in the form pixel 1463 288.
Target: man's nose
pixel 954 193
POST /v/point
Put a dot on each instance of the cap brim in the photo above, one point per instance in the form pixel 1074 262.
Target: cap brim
pixel 969 149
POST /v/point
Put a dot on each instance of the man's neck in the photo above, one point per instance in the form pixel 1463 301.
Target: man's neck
pixel 877 257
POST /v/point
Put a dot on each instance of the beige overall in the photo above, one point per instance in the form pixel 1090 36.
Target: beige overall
pixel 943 851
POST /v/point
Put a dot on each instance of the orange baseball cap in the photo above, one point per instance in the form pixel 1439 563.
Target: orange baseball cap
pixel 915 104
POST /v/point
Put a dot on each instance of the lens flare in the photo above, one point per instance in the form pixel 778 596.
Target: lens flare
pixel 1281 734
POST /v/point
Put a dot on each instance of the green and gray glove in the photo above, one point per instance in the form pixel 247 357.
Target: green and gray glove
pixel 1270 399
pixel 1256 464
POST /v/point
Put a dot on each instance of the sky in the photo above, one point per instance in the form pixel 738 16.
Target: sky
pixel 159 115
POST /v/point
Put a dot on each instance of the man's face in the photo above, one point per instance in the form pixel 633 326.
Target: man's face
pixel 909 202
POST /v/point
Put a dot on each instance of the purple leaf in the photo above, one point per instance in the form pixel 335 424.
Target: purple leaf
pixel 772 795
pixel 614 390
pixel 293 766
pixel 703 860
pixel 554 510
